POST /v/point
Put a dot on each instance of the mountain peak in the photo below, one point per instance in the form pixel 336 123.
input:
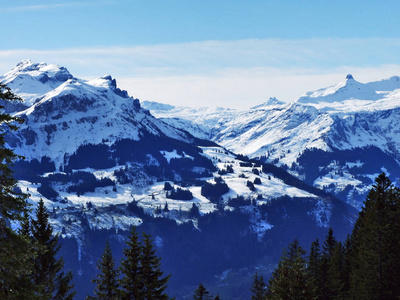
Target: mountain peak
pixel 272 101
pixel 345 90
pixel 23 64
pixel 30 80
pixel 40 70
pixel 108 81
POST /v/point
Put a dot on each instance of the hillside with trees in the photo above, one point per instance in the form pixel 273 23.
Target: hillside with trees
pixel 365 266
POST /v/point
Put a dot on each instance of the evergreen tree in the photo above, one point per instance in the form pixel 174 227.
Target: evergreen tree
pixel 329 245
pixel 327 253
pixel 131 283
pixel 346 265
pixel 194 211
pixel 12 202
pixel 259 288
pixel 201 293
pixel 290 280
pixel 50 280
pixel 166 209
pixel 314 270
pixel 15 257
pixel 336 276
pixel 153 285
pixel 375 244
pixel 107 287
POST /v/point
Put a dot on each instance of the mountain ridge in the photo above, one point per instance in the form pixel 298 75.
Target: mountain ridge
pixel 346 116
pixel 102 163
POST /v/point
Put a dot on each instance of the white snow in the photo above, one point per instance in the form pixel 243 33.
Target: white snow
pixel 67 112
pixel 74 106
pixel 367 114
pixel 174 154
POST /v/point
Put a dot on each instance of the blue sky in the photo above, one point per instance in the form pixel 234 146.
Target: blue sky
pixel 217 53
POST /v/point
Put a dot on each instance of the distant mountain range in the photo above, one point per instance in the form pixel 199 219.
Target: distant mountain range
pixel 337 138
pixel 225 189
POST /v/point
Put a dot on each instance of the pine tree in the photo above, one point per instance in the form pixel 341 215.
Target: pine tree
pixel 201 293
pixel 289 279
pixel 48 276
pixel 12 202
pixel 25 224
pixel 15 261
pixel 107 287
pixel 375 244
pixel 347 265
pixel 314 270
pixel 336 276
pixel 166 209
pixel 194 211
pixel 329 245
pixel 259 288
pixel 153 285
pixel 327 252
pixel 131 283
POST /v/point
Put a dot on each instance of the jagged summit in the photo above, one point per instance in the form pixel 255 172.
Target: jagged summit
pixel 347 89
pixel 272 101
pixel 107 81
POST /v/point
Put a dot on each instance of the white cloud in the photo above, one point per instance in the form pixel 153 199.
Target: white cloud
pixel 244 88
pixel 225 73
pixel 37 7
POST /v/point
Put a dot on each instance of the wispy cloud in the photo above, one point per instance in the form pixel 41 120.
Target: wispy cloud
pixel 225 73
pixel 38 7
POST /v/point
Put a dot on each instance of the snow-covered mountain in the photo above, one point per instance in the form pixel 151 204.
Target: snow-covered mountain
pixel 73 125
pixel 346 90
pixel 31 80
pixel 103 163
pixel 63 113
pixel 349 121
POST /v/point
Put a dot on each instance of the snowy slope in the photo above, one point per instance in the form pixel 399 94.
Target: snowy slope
pixel 64 114
pixel 154 196
pixel 32 80
pixel 345 90
pixel 348 115
pixel 102 163
pixel 68 114
pixel 202 122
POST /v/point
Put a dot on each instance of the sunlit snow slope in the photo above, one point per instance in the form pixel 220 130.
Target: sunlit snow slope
pixel 346 116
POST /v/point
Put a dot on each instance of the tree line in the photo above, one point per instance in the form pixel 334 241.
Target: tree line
pixel 365 266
